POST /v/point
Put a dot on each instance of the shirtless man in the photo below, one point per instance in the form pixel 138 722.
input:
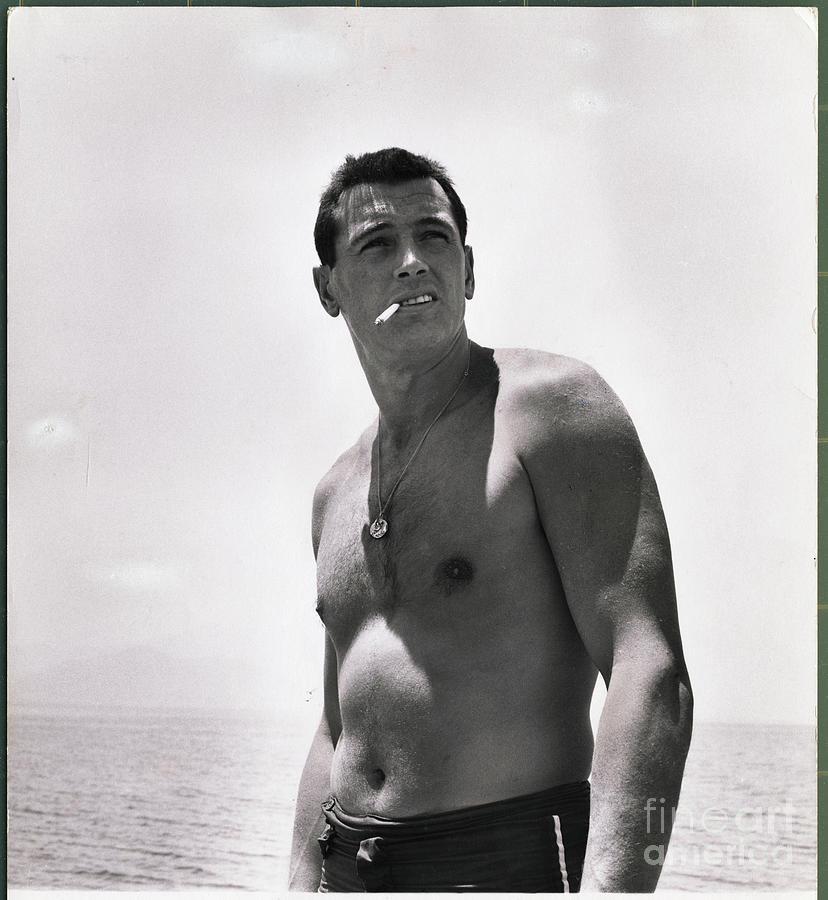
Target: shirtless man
pixel 487 547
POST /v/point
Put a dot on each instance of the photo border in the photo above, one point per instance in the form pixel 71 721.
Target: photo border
pixel 821 115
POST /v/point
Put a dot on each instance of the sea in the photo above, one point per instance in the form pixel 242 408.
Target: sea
pixel 165 800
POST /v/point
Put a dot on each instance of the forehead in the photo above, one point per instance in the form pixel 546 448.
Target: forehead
pixel 367 205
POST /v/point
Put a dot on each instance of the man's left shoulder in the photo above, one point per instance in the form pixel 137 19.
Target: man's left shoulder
pixel 549 397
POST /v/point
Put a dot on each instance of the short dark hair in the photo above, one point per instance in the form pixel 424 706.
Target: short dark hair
pixel 390 166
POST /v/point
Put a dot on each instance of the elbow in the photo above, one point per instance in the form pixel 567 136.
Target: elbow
pixel 658 684
pixel 663 686
pixel 686 697
pixel 672 693
pixel 686 701
pixel 681 693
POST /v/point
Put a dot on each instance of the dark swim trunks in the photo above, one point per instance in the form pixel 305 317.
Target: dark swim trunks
pixel 526 844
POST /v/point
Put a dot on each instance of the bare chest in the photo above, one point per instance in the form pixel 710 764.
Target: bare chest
pixel 460 518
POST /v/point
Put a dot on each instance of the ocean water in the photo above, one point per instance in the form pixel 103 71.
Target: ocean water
pixel 164 801
pixel 746 819
pixel 161 801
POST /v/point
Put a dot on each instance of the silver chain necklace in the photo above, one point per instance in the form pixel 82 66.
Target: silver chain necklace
pixel 379 527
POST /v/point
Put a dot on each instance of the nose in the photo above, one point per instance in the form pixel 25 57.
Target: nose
pixel 410 264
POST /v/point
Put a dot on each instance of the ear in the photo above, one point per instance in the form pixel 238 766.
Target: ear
pixel 469 280
pixel 322 283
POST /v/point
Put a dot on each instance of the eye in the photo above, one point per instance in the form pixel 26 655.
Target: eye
pixel 436 235
pixel 376 243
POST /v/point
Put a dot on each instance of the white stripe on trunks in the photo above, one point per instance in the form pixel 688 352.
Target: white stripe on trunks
pixel 561 854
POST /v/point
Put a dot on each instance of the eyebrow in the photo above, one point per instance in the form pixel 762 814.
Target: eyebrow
pixel 367 232
pixel 435 220
pixel 382 226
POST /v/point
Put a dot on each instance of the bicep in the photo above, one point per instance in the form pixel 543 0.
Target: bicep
pixel 624 601
pixel 600 509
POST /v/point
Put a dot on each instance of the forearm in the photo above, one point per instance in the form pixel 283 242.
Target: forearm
pixel 314 788
pixel 641 746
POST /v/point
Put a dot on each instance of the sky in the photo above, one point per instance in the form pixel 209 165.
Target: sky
pixel 641 194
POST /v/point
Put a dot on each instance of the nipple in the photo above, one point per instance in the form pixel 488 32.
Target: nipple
pixel 457 569
pixel 454 573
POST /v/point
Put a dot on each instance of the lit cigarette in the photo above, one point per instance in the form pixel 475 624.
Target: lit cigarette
pixel 386 314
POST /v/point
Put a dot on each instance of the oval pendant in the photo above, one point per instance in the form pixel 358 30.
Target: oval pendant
pixel 378 528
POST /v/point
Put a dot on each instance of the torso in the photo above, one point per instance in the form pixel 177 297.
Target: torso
pixel 462 679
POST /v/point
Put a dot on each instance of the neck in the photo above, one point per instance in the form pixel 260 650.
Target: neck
pixel 409 395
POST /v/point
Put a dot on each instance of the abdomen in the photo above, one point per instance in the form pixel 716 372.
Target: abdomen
pixel 433 721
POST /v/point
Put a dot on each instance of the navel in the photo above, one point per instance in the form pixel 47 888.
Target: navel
pixel 376 779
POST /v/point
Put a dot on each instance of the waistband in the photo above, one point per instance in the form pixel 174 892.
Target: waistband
pixel 556 799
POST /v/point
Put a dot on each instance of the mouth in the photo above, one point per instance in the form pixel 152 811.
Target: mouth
pixel 418 301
